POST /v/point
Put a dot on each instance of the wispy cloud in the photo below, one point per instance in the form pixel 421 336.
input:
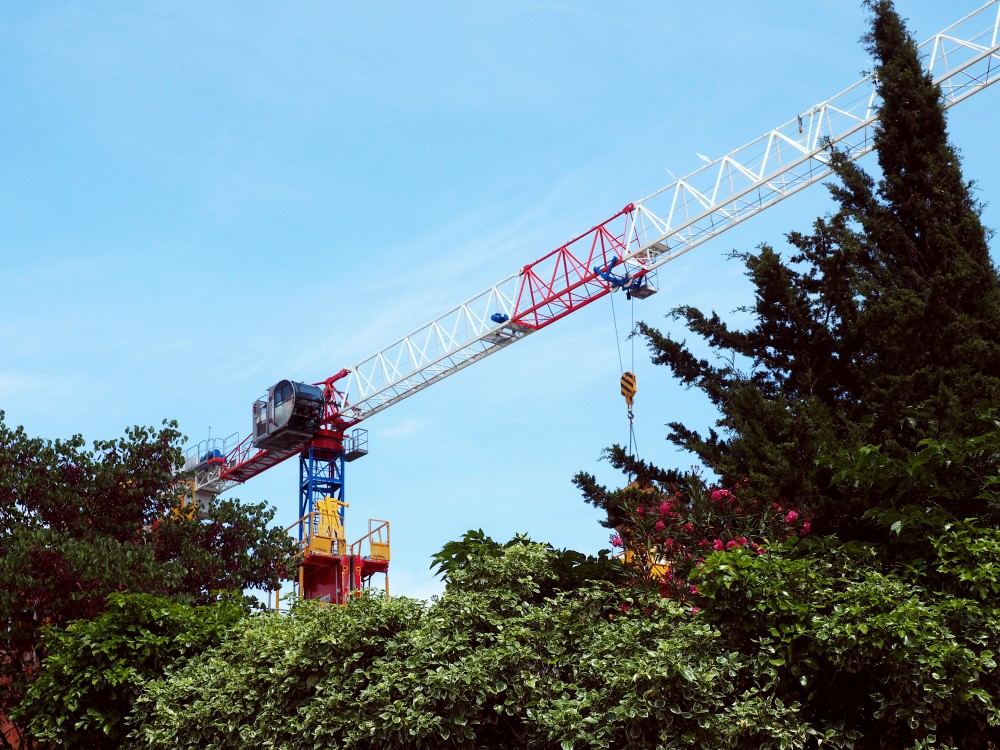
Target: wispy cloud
pixel 13 384
pixel 404 429
pixel 18 384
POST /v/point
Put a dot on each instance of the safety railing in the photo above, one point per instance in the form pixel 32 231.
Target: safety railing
pixel 378 540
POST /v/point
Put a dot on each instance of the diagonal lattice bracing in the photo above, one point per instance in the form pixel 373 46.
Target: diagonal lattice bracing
pixel 963 59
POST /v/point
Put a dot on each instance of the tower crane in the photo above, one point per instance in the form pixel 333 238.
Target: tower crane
pixel 318 422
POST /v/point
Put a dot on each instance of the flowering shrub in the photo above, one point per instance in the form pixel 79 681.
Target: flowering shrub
pixel 669 530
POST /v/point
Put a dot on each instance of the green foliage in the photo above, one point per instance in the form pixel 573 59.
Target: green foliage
pixel 278 681
pixel 942 480
pixel 491 664
pixel 77 525
pixel 862 647
pixel 93 669
pixel 966 562
pixel 570 569
pixel 812 642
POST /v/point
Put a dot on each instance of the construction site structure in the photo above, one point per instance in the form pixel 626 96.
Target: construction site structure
pixel 318 422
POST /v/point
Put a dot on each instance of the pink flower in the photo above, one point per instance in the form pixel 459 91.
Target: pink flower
pixel 805 528
pixel 695 610
pixel 694 589
pixel 717 545
pixel 731 543
pixel 720 494
pixel 792 515
pixel 743 541
pixel 665 506
pixel 640 510
pixel 689 527
pixel 616 541
pixel 659 526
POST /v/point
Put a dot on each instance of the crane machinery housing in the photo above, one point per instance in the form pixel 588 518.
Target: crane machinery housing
pixel 318 422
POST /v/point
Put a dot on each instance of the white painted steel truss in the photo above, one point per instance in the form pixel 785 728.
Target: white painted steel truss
pixel 963 59
pixel 445 345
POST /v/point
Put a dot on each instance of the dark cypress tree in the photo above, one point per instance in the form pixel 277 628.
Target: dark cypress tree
pixel 885 316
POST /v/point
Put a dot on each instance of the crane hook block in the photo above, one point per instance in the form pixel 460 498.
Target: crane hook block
pixel 628 388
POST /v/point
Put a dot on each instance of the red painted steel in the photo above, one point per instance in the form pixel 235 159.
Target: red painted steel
pixel 564 280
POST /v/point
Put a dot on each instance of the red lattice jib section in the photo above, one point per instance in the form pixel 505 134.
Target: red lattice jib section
pixel 564 280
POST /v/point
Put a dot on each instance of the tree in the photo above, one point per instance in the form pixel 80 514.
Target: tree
pixel 860 394
pixel 887 314
pixel 77 525
pixel 95 668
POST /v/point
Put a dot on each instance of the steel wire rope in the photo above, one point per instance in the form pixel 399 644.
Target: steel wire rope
pixel 618 342
pixel 633 447
pixel 633 444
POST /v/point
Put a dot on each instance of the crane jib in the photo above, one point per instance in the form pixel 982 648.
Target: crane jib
pixel 963 59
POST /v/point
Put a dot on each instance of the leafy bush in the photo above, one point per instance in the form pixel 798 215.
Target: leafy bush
pixel 860 646
pixel 667 529
pixel 93 669
pixel 493 663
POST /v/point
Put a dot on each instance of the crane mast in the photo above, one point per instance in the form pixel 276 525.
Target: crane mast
pixel 317 422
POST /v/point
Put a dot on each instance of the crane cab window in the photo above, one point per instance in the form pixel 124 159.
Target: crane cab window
pixel 284 402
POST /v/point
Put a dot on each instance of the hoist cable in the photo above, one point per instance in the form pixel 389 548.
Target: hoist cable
pixel 618 342
pixel 631 337
pixel 633 446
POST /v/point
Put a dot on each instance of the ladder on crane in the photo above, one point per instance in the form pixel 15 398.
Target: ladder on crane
pixel 621 252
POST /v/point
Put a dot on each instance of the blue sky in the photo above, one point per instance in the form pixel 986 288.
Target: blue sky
pixel 200 199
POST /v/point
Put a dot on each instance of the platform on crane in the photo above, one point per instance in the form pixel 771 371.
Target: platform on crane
pixel 209 452
pixel 641 288
pixel 335 578
pixel 507 333
pixel 356 444
pixel 332 571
